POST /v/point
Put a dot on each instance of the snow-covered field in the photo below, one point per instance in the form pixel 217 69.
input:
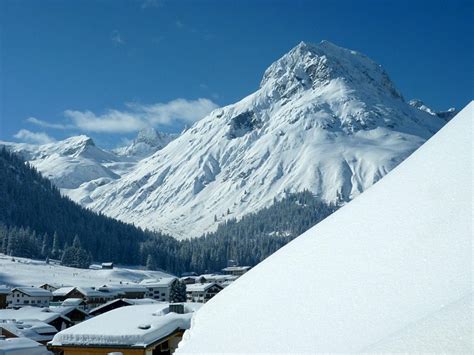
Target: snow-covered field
pixel 390 272
pixel 28 272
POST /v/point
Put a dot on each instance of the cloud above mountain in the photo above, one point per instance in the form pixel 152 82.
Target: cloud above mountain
pixel 33 137
pixel 135 117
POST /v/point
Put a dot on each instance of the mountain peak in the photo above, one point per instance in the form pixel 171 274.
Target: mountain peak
pixel 309 66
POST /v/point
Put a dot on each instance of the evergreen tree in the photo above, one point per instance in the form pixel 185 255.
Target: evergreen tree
pixel 178 291
pixel 55 248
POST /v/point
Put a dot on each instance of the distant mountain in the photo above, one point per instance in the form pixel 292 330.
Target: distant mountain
pixel 77 166
pixel 445 115
pixel 325 119
pixel 148 141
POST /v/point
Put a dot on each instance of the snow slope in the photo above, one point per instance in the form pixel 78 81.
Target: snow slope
pixel 390 271
pixel 325 118
pixel 28 272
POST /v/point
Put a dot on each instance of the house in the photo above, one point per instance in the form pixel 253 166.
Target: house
pixel 189 280
pixel 50 286
pixel 29 296
pixel 18 346
pixel 202 292
pixel 29 313
pixel 138 330
pixel 4 292
pixel 216 278
pixel 121 302
pixel 236 270
pixel 126 290
pixel 33 329
pixel 107 265
pixel 75 314
pixel 91 296
pixel 159 289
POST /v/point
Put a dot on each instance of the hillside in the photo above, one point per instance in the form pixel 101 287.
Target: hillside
pixel 389 272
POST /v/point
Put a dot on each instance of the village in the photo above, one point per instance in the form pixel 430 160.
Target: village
pixel 147 317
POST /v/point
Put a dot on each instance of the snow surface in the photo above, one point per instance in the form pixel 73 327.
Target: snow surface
pixel 390 271
pixel 28 272
pixel 325 118
pixel 22 346
pixel 135 326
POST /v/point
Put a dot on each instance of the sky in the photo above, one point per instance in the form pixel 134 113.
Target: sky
pixel 108 68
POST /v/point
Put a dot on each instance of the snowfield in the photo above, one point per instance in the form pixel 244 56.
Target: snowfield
pixel 28 272
pixel 389 272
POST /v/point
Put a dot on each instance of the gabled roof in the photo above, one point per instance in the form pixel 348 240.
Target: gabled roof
pixel 33 291
pixel 128 301
pixel 65 310
pixel 33 329
pixel 73 302
pixel 132 326
pixel 29 313
pixel 161 282
pixel 21 345
pixel 201 287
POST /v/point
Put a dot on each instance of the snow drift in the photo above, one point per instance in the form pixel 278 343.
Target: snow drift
pixel 390 271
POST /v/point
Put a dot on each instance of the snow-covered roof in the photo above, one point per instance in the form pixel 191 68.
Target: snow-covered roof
pixel 86 291
pixel 63 291
pixel 65 310
pixel 200 287
pixel 17 346
pixel 126 300
pixel 131 326
pixel 72 302
pixel 390 271
pixel 33 291
pixel 127 287
pixel 161 282
pixel 33 329
pixel 29 313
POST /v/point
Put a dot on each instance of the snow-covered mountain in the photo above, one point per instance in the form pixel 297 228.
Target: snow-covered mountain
pixel 147 142
pixel 77 166
pixel 446 115
pixel 324 118
pixel 69 163
pixel 390 272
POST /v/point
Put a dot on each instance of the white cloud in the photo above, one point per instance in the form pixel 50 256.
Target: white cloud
pixel 46 124
pixel 139 116
pixel 112 121
pixel 117 38
pixel 178 110
pixel 33 137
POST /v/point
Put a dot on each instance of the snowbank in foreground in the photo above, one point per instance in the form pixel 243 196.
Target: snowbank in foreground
pixel 390 271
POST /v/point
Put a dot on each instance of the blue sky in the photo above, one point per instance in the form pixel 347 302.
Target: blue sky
pixel 80 67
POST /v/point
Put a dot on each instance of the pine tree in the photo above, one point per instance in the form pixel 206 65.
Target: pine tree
pixel 55 248
pixel 178 291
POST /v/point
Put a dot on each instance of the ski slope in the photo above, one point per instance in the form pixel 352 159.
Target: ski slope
pixel 391 271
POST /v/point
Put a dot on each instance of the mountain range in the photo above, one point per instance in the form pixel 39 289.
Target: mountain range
pixel 324 119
